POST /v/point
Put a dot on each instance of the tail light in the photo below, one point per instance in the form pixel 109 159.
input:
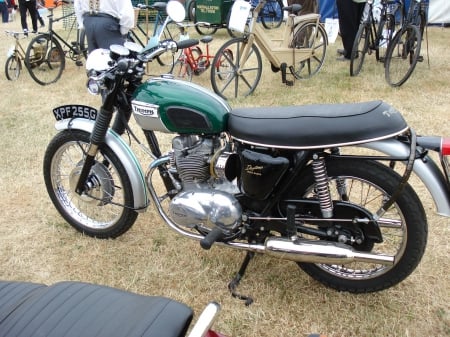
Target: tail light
pixel 445 156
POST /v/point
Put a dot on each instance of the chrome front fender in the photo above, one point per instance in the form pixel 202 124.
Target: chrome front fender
pixel 123 152
pixel 428 172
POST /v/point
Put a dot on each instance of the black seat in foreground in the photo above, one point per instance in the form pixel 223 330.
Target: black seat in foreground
pixel 83 310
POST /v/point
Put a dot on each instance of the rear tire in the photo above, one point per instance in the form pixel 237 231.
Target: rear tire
pixel 45 59
pixel 368 185
pixel 314 37
pixel 272 14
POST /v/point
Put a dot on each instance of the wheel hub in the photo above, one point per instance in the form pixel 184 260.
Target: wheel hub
pixel 99 187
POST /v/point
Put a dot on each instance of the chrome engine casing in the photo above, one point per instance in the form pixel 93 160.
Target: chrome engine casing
pixel 206 208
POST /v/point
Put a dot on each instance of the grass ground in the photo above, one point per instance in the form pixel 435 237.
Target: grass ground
pixel 37 245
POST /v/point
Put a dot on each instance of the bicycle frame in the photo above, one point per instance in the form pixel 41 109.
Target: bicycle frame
pixel 17 50
pixel 283 54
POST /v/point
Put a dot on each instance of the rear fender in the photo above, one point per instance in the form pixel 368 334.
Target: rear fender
pixel 123 152
pixel 427 170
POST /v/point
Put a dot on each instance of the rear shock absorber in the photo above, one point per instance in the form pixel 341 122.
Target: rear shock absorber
pixel 322 188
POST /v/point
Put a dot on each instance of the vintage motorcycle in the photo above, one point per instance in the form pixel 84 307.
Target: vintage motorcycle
pixel 283 181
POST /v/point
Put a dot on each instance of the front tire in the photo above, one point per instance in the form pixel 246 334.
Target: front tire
pixel 235 74
pixel 105 210
pixel 360 49
pixel 369 184
pixel 13 66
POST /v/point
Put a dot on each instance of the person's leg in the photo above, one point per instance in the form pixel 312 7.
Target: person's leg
pixel 33 14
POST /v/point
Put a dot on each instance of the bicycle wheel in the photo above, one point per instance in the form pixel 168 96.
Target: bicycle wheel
pixel 236 70
pixel 205 29
pixel 13 66
pixel 386 31
pixel 272 14
pixel 167 60
pixel 44 59
pixel 360 49
pixel 313 37
pixel 402 55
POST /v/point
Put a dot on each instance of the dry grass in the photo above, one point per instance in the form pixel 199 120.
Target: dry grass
pixel 37 245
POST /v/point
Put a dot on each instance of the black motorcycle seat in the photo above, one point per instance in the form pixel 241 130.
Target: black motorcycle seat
pixel 82 309
pixel 316 126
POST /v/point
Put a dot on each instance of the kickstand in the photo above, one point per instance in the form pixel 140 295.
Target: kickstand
pixel 235 281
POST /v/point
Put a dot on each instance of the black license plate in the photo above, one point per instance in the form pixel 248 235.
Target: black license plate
pixel 75 111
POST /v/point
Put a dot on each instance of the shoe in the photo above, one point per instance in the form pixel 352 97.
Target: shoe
pixel 34 31
pixel 342 58
pixel 42 26
pixel 340 51
pixel 25 32
pixel 79 63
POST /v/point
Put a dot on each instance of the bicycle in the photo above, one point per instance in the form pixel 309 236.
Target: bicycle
pixel 163 29
pixel 302 50
pixel 45 57
pixel 403 52
pixel 15 56
pixel 271 15
pixel 192 60
pixel 375 33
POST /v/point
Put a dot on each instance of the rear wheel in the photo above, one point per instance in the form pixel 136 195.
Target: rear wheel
pixel 312 37
pixel 104 210
pixel 402 55
pixel 237 69
pixel 45 59
pixel 272 14
pixel 403 227
pixel 360 49
pixel 13 66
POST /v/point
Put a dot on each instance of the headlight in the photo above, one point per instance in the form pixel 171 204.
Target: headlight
pixel 99 60
pixel 94 86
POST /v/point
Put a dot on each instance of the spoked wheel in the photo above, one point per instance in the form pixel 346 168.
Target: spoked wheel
pixel 360 49
pixel 387 29
pixel 205 29
pixel 402 55
pixel 45 59
pixel 104 210
pixel 13 66
pixel 367 185
pixel 313 37
pixel 272 14
pixel 236 69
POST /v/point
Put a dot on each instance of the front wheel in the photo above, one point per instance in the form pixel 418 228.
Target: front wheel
pixel 236 70
pixel 45 59
pixel 403 227
pixel 360 49
pixel 13 66
pixel 313 39
pixel 104 211
pixel 402 55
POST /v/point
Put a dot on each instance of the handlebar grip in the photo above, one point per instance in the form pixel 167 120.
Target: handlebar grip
pixel 187 43
pixel 213 236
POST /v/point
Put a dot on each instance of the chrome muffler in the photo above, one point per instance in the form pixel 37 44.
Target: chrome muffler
pixel 302 250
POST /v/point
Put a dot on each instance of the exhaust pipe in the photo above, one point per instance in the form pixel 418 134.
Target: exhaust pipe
pixel 326 252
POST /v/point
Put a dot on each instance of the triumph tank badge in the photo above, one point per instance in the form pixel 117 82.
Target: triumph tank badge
pixel 145 109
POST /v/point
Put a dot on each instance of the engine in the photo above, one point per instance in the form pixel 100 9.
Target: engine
pixel 206 172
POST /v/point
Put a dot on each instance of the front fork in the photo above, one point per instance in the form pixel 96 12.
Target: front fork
pixel 97 138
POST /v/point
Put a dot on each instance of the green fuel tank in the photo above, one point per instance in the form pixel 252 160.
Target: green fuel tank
pixel 170 105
